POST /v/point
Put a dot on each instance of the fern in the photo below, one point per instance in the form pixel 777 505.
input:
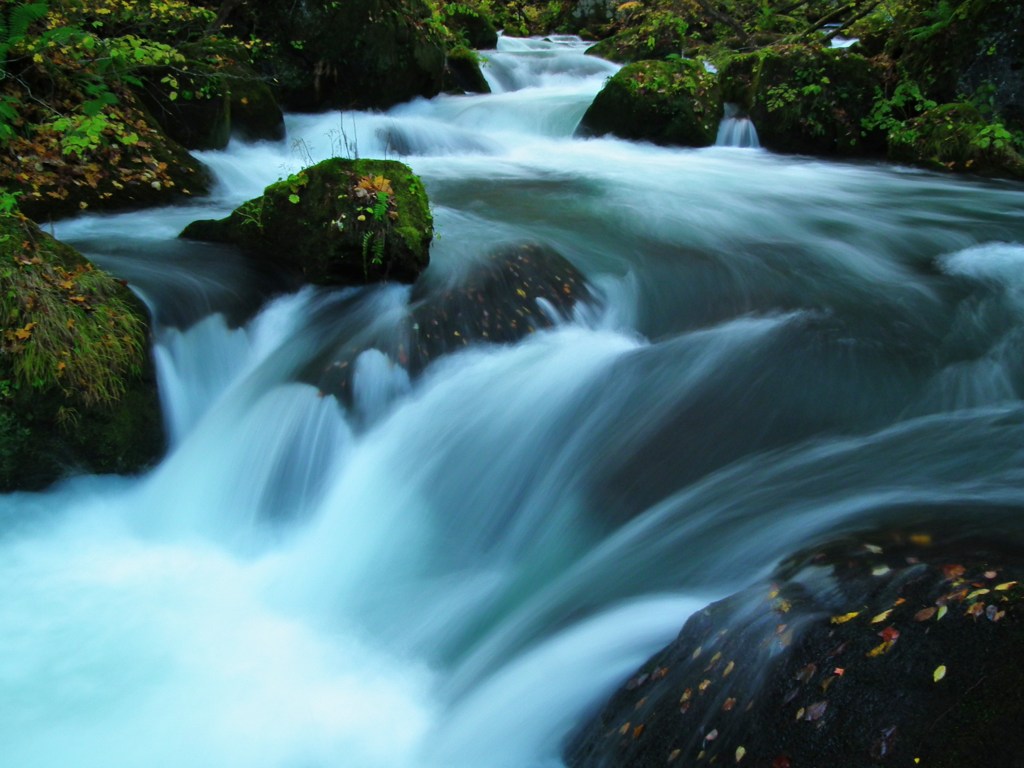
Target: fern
pixel 24 16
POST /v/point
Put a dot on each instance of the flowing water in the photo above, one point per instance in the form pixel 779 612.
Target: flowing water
pixel 457 568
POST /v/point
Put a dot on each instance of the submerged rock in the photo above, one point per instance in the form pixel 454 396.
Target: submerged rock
pixel 509 294
pixel 337 222
pixel 666 102
pixel 883 650
pixel 77 389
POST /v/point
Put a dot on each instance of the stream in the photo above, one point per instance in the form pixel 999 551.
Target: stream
pixel 454 571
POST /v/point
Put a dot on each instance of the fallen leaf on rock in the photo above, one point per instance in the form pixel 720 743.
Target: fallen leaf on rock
pixel 740 753
pixel 878 650
pixel 942 612
pixel 978 593
pixel 781 762
pixel 953 571
pixel 729 704
pixel 712 735
pixel 873 548
pixel 674 754
pixel 924 614
pixel 975 610
pixel 921 539
pixel 881 617
pixel 704 684
pixel 890 634
pixel 1005 585
pixel 815 711
pixel 624 729
pixel 800 713
pixel 880 570
pixel 687 694
pixel 939 673
pixel 845 617
pixel 729 668
pixel 807 672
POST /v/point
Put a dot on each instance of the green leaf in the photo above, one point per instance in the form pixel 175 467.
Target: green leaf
pixel 293 198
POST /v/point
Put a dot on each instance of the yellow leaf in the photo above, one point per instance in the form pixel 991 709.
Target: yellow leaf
pixel 740 752
pixel 845 617
pixel 23 334
pixel 977 593
pixel 878 650
pixel 939 673
pixel 941 613
pixel 728 668
pixel 1005 586
pixel 881 617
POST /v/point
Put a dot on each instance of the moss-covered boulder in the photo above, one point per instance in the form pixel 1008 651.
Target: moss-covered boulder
pixel 475 27
pixel 885 650
pixel 213 94
pixel 357 53
pixel 462 72
pixel 77 391
pixel 338 222
pixel 956 137
pixel 807 99
pixel 508 294
pixel 666 102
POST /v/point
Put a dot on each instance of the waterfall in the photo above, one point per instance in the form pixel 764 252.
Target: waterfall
pixel 736 129
pixel 452 569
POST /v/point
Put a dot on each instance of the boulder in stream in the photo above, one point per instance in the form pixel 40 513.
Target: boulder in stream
pixel 510 293
pixel 666 102
pixel 806 98
pixel 358 53
pixel 337 222
pixel 77 388
pixel 890 649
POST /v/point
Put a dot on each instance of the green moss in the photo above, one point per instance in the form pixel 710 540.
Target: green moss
pixel 462 72
pixel 667 102
pixel 75 380
pixel 805 98
pixel 340 221
pixel 957 137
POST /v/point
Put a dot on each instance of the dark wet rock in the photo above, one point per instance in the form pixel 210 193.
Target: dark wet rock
pixel 666 102
pixel 881 650
pixel 805 98
pixel 359 53
pixel 214 94
pixel 476 28
pixel 463 74
pixel 337 222
pixel 77 387
pixel 509 294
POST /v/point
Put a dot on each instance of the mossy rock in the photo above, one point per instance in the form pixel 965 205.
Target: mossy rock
pixel 77 388
pixel 961 51
pixel 666 102
pixel 891 649
pixel 214 94
pixel 807 99
pixel 355 54
pixel 462 73
pixel 154 170
pixel 338 222
pixel 255 113
pixel 508 294
pixel 477 29
pixel 955 137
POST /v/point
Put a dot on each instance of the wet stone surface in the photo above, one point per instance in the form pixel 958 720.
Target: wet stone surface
pixel 888 650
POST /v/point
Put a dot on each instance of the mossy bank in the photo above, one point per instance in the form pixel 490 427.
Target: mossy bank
pixel 76 384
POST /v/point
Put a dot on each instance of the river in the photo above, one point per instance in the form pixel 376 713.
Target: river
pixel 455 570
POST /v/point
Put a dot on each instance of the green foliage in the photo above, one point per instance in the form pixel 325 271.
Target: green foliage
pixel 891 114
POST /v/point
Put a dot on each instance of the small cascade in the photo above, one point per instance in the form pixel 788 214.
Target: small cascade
pixel 736 129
